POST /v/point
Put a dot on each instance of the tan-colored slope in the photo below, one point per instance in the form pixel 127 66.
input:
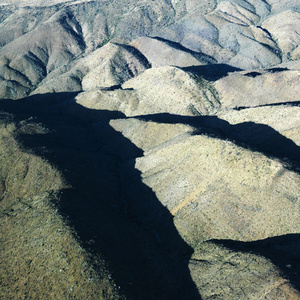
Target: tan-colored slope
pixel 278 6
pixel 218 190
pixel 108 66
pixel 291 65
pixel 192 8
pixel 27 60
pixel 157 90
pixel 196 177
pixel 172 90
pixel 239 273
pixel 162 53
pixel 284 119
pixel 21 21
pixel 283 28
pixel 196 33
pixel 125 101
pixel 235 13
pixel 248 89
pixel 230 33
pixel 40 256
pixel 238 31
pixel 242 34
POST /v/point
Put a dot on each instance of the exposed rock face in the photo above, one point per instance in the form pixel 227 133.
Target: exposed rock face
pixel 153 150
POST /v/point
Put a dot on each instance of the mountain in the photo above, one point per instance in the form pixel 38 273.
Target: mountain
pixel 149 149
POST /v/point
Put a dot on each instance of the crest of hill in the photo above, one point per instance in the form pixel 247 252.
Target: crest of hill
pixel 37 243
pixel 242 34
pixel 161 52
pixel 195 177
pixel 105 68
pixel 258 88
pixel 283 28
pixel 172 90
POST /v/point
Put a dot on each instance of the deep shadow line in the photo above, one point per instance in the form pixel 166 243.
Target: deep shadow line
pixel 277 70
pixel 112 88
pixel 253 74
pixel 294 103
pixel 116 87
pixel 174 45
pixel 264 29
pixel 249 135
pixel 115 215
pixel 136 53
pixel 283 251
pixel 178 46
pixel 211 72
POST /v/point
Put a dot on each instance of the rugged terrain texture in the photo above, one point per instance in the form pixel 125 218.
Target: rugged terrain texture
pixel 150 150
pixel 41 257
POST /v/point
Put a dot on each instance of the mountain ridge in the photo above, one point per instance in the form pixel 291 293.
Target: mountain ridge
pixel 149 150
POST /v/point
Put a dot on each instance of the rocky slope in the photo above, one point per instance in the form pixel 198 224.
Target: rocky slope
pixel 242 34
pixel 41 256
pixel 150 150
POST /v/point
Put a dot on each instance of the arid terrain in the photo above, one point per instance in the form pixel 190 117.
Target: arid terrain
pixel 150 149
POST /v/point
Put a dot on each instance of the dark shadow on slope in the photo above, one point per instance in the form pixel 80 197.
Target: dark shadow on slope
pixel 283 251
pixel 250 135
pixel 253 74
pixel 112 88
pixel 115 215
pixel 277 70
pixel 211 72
pixel 294 103
pixel 198 55
pixel 136 53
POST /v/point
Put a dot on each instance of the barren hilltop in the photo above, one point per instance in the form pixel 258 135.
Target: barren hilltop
pixel 150 149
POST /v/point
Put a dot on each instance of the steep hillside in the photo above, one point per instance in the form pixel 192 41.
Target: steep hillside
pixel 41 256
pixel 36 41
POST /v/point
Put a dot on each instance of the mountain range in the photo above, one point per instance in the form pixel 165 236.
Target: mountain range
pixel 150 149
